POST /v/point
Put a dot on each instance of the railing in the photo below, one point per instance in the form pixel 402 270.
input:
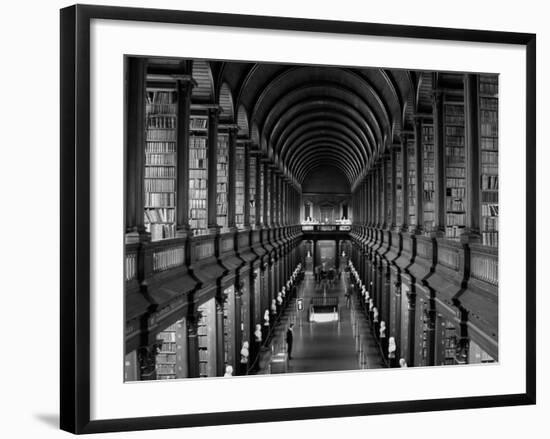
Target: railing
pixel 326 228
pixel 484 267
pixel 166 258
pixel 448 257
pixel 130 272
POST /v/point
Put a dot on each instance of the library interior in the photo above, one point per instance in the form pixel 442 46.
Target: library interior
pixel 284 218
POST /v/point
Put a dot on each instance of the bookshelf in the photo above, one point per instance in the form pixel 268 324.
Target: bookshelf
pixel 206 333
pixel 488 106
pixel 447 342
pixel 222 183
pixel 428 177
pixel 261 197
pixel 198 173
pixel 411 182
pixel 398 188
pixel 252 189
pixel 160 164
pixel 228 326
pixel 268 199
pixel 389 189
pixel 239 187
pixel 455 166
pixel 166 357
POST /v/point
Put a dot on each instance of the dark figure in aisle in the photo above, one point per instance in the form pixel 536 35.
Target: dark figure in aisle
pixel 289 340
pixel 348 296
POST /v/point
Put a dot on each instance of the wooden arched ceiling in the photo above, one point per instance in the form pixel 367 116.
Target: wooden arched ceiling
pixel 310 116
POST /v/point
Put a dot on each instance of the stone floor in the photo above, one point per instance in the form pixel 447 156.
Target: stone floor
pixel 327 346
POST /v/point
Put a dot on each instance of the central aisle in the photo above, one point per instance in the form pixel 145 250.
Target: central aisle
pixel 317 347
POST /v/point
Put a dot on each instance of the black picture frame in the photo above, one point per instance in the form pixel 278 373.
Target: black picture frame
pixel 75 217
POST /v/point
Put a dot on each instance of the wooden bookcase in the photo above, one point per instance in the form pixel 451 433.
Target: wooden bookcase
pixel 206 332
pixel 398 188
pixel 261 197
pixel 198 173
pixel 488 113
pixel 239 187
pixel 411 182
pixel 455 166
pixel 222 183
pixel 160 163
pixel 388 192
pixel 252 190
pixel 166 357
pixel 428 176
pixel 446 342
pixel 229 327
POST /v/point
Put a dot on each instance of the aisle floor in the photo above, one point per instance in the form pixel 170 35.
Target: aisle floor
pixel 327 346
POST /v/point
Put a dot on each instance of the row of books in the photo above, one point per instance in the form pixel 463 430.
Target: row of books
pixel 198 123
pixel 489 210
pixel 489 239
pixel 159 135
pixel 158 172
pixel 488 103
pixel 455 152
pixel 161 231
pixel 161 122
pixel 163 199
pixel 429 216
pixel 455 219
pixel 197 203
pixel 454 131
pixel 455 205
pixel 198 164
pixel 160 215
pixel 161 97
pixel 456 192
pixel 454 119
pixel 489 116
pixel 160 185
pixel 489 181
pixel 160 159
pixel 161 109
pixel 167 259
pixel 221 197
pixel 489 197
pixel 166 358
pixel 456 182
pixel 455 172
pixel 198 143
pixel 490 143
pixel 454 141
pixel 166 371
pixel 167 337
pixel 488 88
pixel 197 225
pixel 197 213
pixel 489 223
pixel 489 157
pixel 160 147
pixel 198 183
pixel 489 169
pixel 489 130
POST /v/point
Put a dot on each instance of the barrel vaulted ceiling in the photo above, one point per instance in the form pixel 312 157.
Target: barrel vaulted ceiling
pixel 306 117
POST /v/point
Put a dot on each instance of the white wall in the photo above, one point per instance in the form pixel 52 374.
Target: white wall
pixel 29 76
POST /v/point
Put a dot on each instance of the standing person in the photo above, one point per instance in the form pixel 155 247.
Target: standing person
pixel 289 340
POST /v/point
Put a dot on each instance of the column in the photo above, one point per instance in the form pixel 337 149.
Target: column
pixel 212 167
pixel 439 163
pixel 404 183
pixel 471 113
pixel 184 86
pixel 258 195
pixel 192 345
pixel 267 222
pixel 419 176
pixel 246 146
pixel 231 175
pixel 135 146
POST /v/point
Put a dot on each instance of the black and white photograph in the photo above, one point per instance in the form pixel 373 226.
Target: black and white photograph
pixel 303 218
